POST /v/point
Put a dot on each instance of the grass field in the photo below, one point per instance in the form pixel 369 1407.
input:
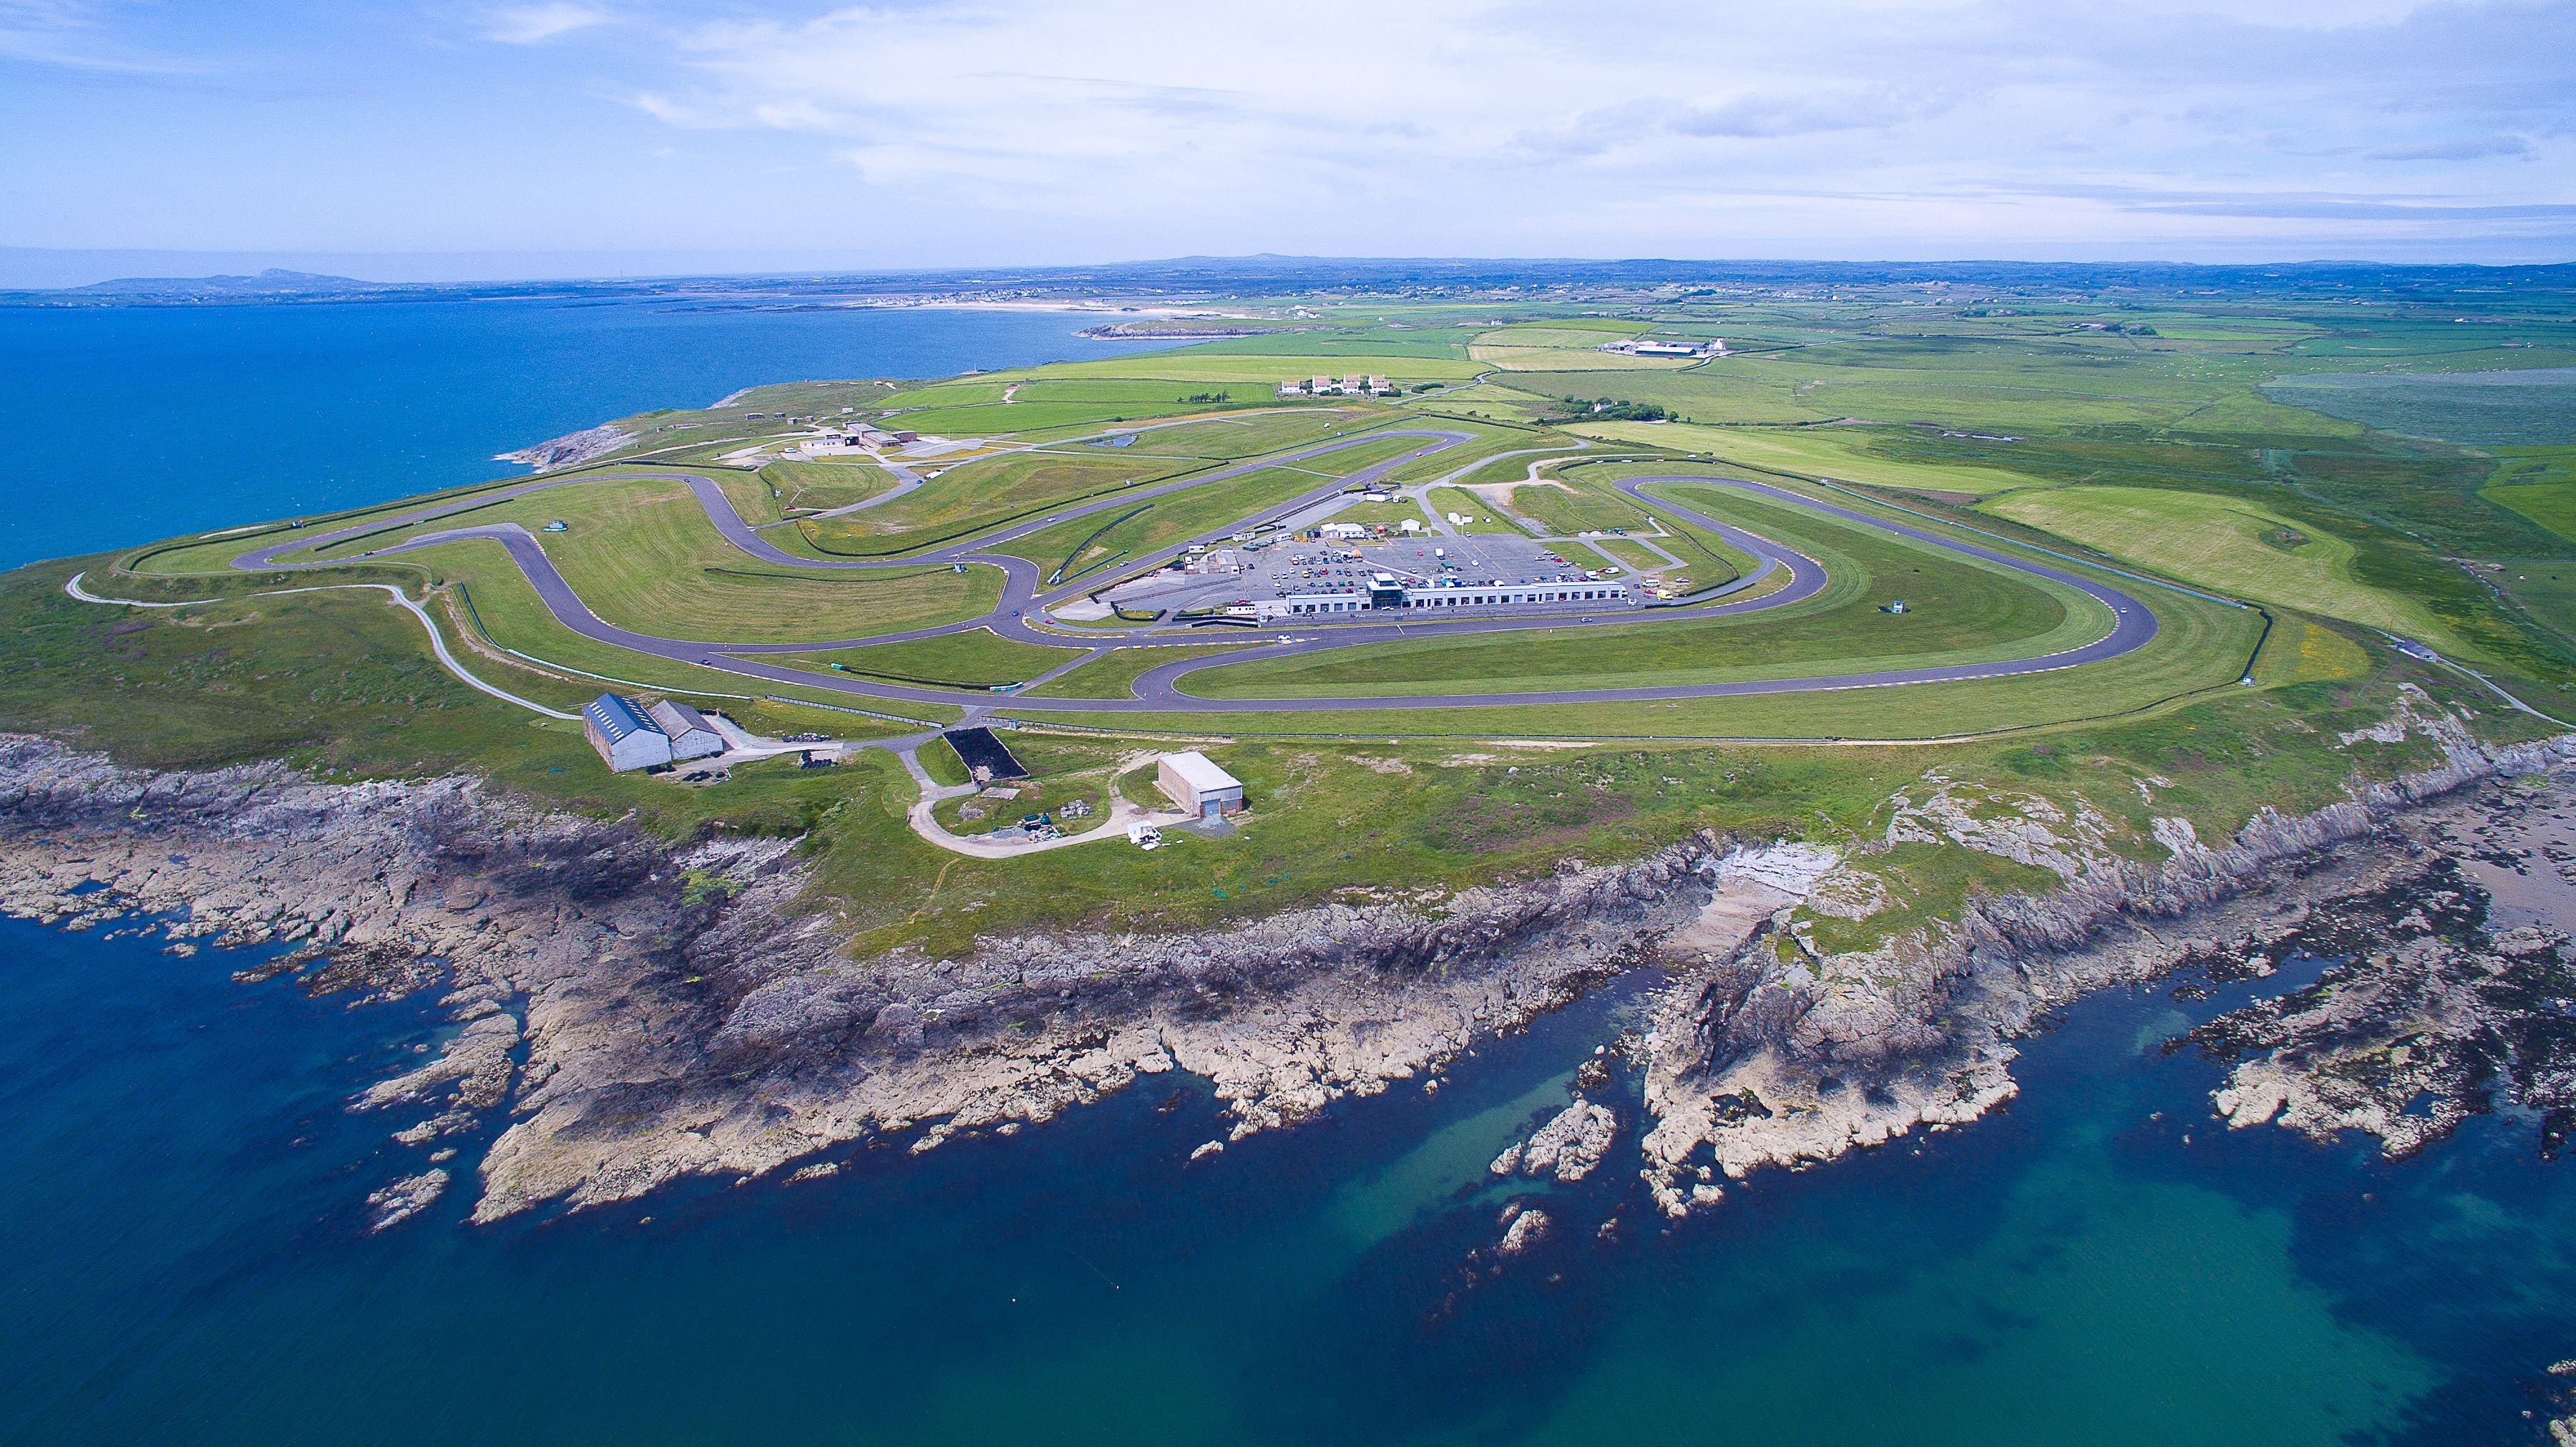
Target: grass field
pixel 1633 556
pixel 794 487
pixel 970 496
pixel 2200 648
pixel 2227 545
pixel 2161 450
pixel 1114 675
pixel 1576 503
pixel 976 657
pixel 2539 483
pixel 643 556
pixel 1481 516
pixel 1837 452
pixel 1180 516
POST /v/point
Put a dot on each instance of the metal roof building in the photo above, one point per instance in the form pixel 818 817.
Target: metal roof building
pixel 625 738
pixel 691 736
pixel 1193 781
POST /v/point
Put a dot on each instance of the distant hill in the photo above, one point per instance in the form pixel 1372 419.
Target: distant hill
pixel 272 282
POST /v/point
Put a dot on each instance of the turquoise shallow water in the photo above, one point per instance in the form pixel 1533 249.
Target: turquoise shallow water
pixel 187 1264
pixel 125 424
pixel 181 1188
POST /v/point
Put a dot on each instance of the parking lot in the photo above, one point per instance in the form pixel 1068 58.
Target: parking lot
pixel 1227 575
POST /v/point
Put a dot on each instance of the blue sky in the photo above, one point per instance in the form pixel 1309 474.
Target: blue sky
pixel 596 136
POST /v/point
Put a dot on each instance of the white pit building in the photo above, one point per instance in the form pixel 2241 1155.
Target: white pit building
pixel 1193 781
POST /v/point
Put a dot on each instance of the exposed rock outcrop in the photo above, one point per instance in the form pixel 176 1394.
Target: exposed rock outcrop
pixel 632 1028
pixel 1526 1226
pixel 1778 1054
pixel 572 449
pixel 637 1031
pixel 1568 1147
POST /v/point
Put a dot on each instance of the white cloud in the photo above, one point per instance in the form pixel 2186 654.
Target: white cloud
pixel 77 35
pixel 1638 125
pixel 2469 148
pixel 531 24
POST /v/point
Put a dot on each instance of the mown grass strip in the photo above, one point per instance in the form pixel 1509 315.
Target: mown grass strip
pixel 1057 577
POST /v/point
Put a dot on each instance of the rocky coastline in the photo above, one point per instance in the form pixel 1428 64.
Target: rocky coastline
pixel 628 1012
pixel 572 449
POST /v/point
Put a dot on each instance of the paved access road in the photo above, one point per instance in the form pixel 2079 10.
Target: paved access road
pixel 1158 690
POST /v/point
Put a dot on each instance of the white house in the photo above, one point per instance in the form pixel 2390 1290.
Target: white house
pixel 1193 781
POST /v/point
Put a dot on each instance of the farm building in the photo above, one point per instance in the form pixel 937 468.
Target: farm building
pixel 1193 781
pixel 691 736
pixel 622 733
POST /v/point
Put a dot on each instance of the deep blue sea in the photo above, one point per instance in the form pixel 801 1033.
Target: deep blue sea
pixel 183 1256
pixel 119 425
pixel 2100 1263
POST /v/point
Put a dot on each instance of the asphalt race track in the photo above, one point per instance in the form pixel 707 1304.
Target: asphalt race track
pixel 1158 691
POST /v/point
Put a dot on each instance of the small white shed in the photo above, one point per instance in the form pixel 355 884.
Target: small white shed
pixel 1193 781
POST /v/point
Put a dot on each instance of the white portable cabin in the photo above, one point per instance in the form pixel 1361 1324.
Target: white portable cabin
pixel 625 738
pixel 691 736
pixel 1193 781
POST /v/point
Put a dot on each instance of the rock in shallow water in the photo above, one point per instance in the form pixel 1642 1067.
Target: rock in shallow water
pixel 1567 1147
pixel 406 1198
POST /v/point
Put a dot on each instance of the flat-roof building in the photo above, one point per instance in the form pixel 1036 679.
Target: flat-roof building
pixel 691 736
pixel 1385 592
pixel 1193 781
pixel 624 736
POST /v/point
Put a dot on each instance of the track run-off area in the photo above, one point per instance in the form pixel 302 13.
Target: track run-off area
pixel 1024 597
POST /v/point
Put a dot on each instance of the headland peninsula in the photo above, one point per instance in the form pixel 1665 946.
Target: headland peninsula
pixel 1847 669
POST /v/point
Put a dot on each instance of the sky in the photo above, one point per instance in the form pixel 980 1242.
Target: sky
pixel 442 140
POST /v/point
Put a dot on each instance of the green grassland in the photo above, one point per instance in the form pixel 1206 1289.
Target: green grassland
pixel 2228 545
pixel 1631 555
pixel 2538 483
pixel 1392 512
pixel 643 556
pixel 520 646
pixel 975 657
pixel 1841 453
pixel 1574 503
pixel 2200 650
pixel 1250 434
pixel 1482 516
pixel 2157 445
pixel 1239 362
pixel 795 487
pixel 1483 403
pixel 971 497
pixel 1048 794
pixel 1114 675
pixel 1082 544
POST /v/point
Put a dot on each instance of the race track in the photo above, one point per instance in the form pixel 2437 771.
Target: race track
pixel 1158 690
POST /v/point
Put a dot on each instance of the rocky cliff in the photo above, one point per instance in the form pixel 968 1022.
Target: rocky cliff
pixel 636 1011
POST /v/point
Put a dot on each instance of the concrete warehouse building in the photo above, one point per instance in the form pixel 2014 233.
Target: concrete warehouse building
pixel 1390 595
pixel 1193 781
pixel 624 736
pixel 691 736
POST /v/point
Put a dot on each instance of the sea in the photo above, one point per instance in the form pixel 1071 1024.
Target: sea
pixel 125 424
pixel 187 1257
